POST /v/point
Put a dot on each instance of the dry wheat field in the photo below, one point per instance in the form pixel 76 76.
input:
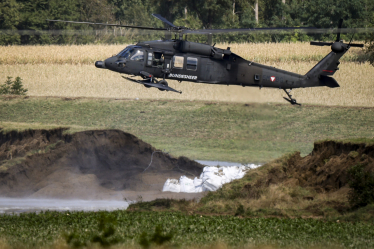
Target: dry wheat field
pixel 69 71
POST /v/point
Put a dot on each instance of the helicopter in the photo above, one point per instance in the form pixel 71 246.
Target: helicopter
pixel 182 60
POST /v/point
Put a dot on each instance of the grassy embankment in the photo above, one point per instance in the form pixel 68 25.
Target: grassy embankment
pixel 199 130
pixel 69 71
pixel 253 196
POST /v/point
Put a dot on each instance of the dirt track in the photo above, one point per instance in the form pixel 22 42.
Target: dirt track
pixel 105 164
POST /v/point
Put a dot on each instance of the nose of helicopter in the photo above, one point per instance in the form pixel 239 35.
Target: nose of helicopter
pixel 110 63
pixel 100 64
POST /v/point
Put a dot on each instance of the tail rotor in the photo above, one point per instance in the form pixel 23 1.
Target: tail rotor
pixel 339 28
pixel 338 46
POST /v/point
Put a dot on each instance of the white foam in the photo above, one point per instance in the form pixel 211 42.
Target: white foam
pixel 211 179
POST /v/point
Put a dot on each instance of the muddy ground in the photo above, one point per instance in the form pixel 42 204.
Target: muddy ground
pixel 97 164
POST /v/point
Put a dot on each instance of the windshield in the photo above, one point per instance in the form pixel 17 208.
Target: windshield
pixel 137 56
pixel 127 53
pixel 127 48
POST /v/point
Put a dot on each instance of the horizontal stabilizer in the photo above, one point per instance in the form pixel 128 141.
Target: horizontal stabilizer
pixel 356 45
pixel 328 81
pixel 320 43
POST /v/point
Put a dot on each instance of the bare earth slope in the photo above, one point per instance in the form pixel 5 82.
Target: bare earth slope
pixel 325 169
pixel 90 164
pixel 316 185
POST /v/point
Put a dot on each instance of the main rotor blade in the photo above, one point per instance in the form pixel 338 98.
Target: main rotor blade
pixel 222 31
pixel 158 16
pixel 156 32
pixel 112 25
pixel 279 31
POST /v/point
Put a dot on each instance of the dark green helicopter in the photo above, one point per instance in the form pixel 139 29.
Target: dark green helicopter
pixel 184 60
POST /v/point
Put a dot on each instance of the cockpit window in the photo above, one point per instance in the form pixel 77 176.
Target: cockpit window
pixel 126 54
pixel 137 56
pixel 123 51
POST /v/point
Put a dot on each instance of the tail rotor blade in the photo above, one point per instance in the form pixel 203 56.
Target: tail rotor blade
pixel 339 27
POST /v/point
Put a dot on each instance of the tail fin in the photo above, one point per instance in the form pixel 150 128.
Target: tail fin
pixel 325 68
pixel 329 65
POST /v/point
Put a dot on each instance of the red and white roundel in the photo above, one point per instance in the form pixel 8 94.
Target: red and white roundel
pixel 272 78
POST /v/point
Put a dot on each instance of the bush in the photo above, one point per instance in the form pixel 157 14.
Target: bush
pixel 370 49
pixel 13 87
pixel 157 238
pixel 240 210
pixel 362 186
pixel 105 235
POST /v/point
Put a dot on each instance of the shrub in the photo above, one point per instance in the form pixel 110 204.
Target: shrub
pixel 157 238
pixel 362 186
pixel 240 210
pixel 105 235
pixel 13 87
pixel 107 228
pixel 370 49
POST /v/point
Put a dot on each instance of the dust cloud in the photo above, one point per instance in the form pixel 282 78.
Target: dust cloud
pixel 24 205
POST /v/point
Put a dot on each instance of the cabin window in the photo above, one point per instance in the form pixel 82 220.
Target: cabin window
pixel 178 62
pixel 158 60
pixel 191 63
pixel 150 58
pixel 138 56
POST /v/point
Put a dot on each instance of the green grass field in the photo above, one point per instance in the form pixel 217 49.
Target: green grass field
pixel 200 130
pixel 137 230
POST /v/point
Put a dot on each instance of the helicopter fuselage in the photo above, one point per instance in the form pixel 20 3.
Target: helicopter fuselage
pixel 201 63
pixel 183 60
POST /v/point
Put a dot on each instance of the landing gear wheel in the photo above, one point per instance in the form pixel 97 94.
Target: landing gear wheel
pixel 291 100
pixel 163 82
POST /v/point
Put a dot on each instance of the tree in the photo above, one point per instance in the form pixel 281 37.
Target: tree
pixel 96 11
pixel 211 12
pixel 370 49
pixel 13 87
pixel 362 186
pixel 9 19
pixel 34 14
pixel 370 38
pixel 327 13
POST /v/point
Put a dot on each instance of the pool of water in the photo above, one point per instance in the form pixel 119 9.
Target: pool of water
pixel 24 205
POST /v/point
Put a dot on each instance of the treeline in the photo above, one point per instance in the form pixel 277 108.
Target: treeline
pixel 24 21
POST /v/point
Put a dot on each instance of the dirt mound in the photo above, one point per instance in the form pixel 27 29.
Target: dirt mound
pixel 325 169
pixel 89 164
